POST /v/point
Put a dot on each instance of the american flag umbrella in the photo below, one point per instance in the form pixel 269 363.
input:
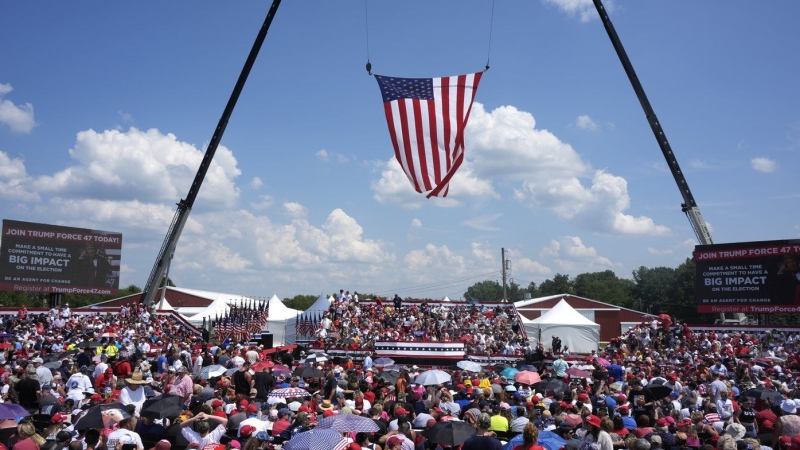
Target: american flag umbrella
pixel 321 439
pixel 108 335
pixel 349 423
pixel 470 366
pixel 289 392
pixel 433 378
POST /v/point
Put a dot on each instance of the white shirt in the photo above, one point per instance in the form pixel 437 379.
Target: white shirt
pixel 99 369
pixel 129 397
pixel 124 436
pixel 254 422
pixel 211 438
pixel 76 384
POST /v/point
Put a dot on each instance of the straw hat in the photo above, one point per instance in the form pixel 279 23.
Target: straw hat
pixel 136 378
pixel 326 405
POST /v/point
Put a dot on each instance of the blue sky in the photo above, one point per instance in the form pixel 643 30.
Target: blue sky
pixel 106 109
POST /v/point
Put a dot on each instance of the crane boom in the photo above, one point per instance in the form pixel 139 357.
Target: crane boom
pixel 689 206
pixel 185 205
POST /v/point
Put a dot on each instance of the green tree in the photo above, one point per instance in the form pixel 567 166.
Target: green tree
pixel 560 284
pixel 604 286
pixel 300 302
pixel 654 288
pixel 533 290
pixel 484 291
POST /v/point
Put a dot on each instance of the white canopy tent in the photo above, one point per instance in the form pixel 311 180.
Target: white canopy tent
pixel 280 316
pixel 313 313
pixel 577 332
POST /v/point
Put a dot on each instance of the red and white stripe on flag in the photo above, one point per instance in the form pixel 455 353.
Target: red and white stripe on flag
pixel 426 119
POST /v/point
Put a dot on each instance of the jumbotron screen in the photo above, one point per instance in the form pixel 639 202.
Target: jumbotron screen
pixel 748 277
pixel 37 257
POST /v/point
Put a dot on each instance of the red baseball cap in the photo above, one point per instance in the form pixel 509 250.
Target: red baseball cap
pixel 252 409
pixel 217 403
pixel 247 430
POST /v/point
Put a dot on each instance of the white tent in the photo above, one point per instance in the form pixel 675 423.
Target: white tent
pixel 577 332
pixel 311 315
pixel 280 316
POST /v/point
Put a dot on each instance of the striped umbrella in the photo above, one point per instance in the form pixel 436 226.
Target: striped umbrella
pixel 349 423
pixel 289 392
pixel 321 439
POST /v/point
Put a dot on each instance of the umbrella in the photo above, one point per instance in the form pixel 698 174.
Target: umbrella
pixel 383 362
pixel 349 423
pixel 763 394
pixel 308 372
pixel 554 385
pixel 53 364
pixel 659 391
pixel 108 335
pixel 323 439
pixel 527 377
pixel 450 433
pixel 390 376
pixel 214 370
pixel 527 367
pixel 312 358
pixel 230 372
pixel 578 373
pixel 289 392
pixel 163 406
pixel 433 378
pixel 396 367
pixel 603 362
pixel 89 344
pixel 280 369
pixel 509 372
pixel 102 416
pixel 6 335
pixel 262 365
pixel 470 366
pixel 547 439
pixel 12 411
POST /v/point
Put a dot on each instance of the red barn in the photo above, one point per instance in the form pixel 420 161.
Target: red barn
pixel 613 319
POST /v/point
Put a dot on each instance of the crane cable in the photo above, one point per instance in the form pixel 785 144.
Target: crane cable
pixel 366 28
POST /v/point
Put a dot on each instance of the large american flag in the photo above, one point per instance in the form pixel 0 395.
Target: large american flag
pixel 427 118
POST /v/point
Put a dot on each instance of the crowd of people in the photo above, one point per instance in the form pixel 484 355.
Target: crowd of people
pixel 658 386
pixel 483 329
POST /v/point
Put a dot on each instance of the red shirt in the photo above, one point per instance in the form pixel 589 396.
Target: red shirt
pixel 280 426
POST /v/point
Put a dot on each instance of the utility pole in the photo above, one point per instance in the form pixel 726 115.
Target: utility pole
pixel 503 256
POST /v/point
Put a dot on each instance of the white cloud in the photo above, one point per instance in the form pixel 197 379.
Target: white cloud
pixel 583 9
pixel 264 202
pixel 573 256
pixel 655 251
pixel 432 263
pixel 256 183
pixel 147 166
pixel 481 252
pixel 394 187
pixel 416 223
pixel 14 180
pixel 322 155
pixel 295 210
pixel 764 165
pixel 17 117
pixel 586 123
pixel 484 222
